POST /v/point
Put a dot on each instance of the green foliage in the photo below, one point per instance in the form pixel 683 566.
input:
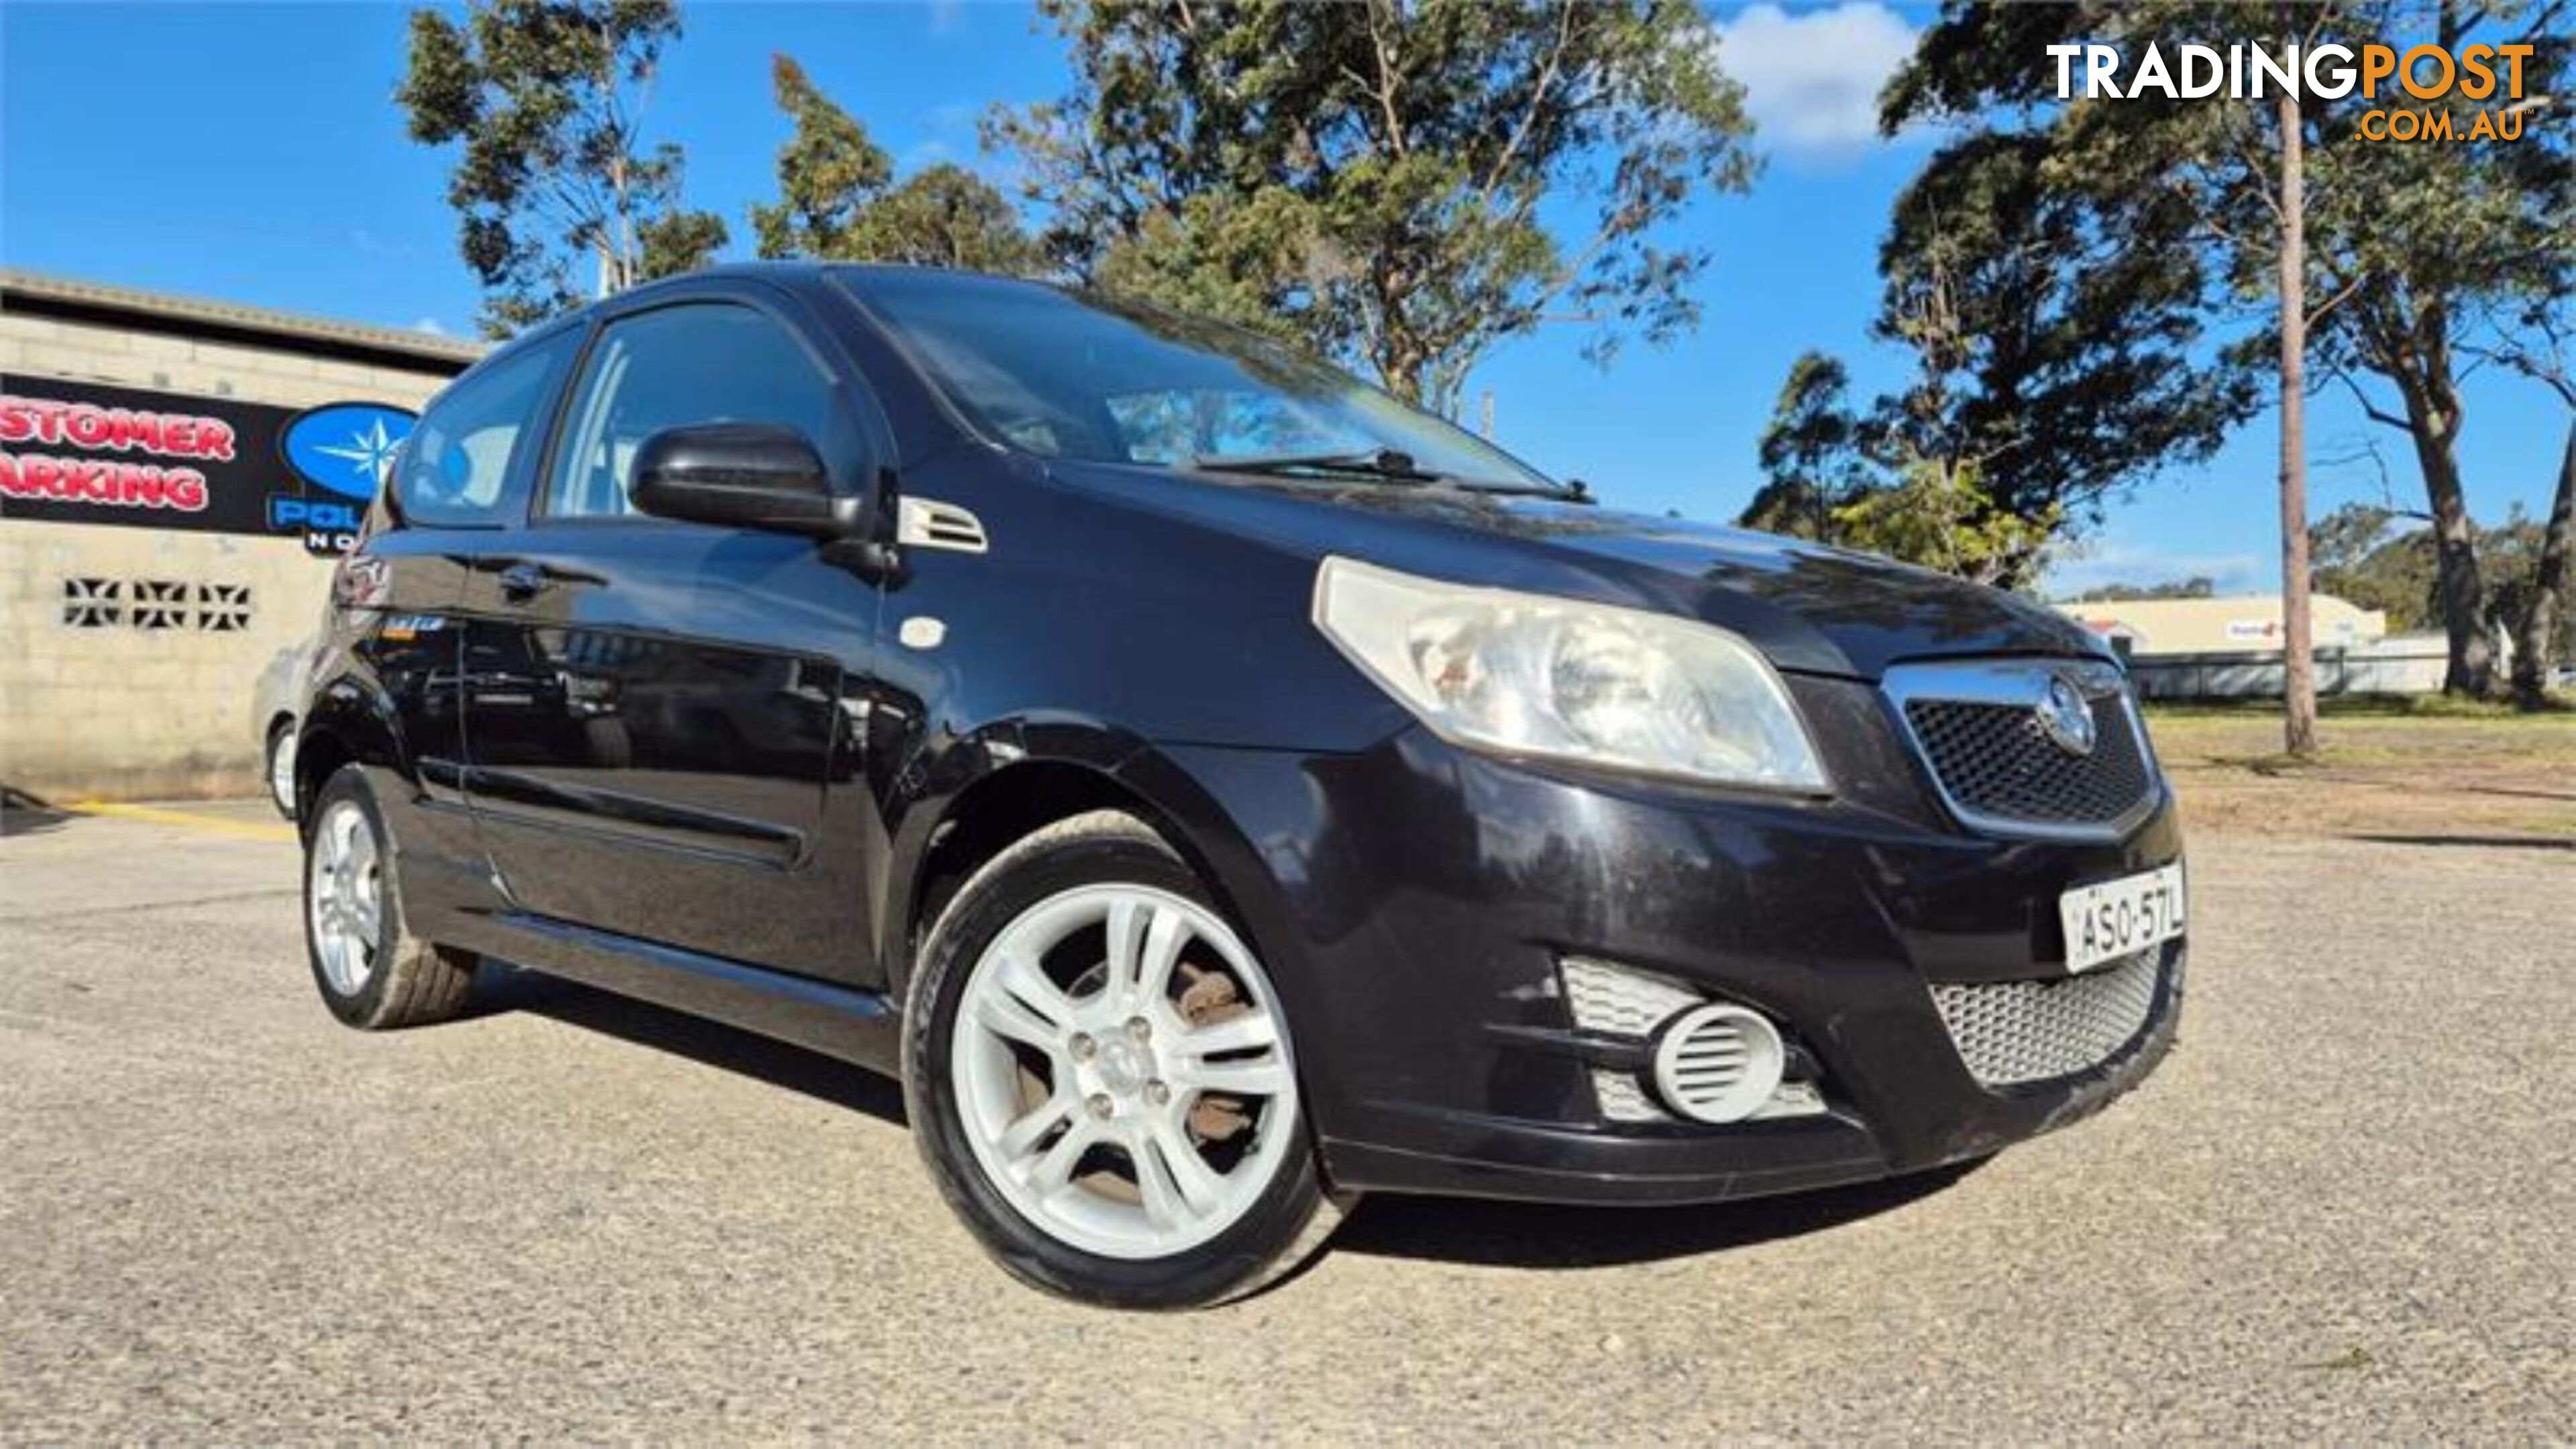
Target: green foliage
pixel 1812 453
pixel 2513 555
pixel 544 100
pixel 2067 332
pixel 1883 482
pixel 838 199
pixel 671 242
pixel 2060 358
pixel 1942 514
pixel 946 216
pixel 2359 554
pixel 1369 179
pixel 2055 366
pixel 2198 586
pixel 827 171
pixel 2375 559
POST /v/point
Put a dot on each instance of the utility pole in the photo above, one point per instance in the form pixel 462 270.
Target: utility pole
pixel 2298 666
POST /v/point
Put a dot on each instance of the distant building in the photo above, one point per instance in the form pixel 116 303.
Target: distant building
pixel 2231 648
pixel 177 478
pixel 2243 624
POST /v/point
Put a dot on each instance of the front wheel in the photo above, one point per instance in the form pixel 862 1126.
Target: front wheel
pixel 1100 1076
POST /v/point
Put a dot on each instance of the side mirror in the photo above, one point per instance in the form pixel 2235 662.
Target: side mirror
pixel 742 475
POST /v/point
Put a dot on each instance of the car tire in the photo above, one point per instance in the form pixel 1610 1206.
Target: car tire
pixel 1055 1135
pixel 277 766
pixel 374 974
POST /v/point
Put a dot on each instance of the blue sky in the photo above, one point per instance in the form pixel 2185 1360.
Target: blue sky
pixel 252 153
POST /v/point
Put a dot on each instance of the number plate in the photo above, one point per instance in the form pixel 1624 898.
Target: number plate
pixel 2117 918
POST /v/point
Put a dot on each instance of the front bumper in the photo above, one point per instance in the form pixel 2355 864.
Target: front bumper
pixel 1417 898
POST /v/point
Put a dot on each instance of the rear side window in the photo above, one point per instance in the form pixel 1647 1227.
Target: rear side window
pixel 701 362
pixel 456 467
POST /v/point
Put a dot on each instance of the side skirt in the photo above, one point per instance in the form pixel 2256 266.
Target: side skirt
pixel 860 1027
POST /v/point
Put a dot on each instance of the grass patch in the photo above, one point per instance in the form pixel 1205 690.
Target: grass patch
pixel 2393 734
pixel 2391 767
pixel 2561 705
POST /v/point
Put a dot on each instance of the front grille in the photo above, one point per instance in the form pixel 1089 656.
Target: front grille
pixel 2013 1032
pixel 1995 762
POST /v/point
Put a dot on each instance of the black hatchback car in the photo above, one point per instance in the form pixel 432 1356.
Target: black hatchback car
pixel 1216 789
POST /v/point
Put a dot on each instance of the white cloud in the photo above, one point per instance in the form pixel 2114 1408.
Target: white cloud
pixel 430 325
pixel 1812 78
pixel 2099 563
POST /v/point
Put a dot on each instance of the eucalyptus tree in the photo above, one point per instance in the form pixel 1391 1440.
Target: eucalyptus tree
pixel 1405 183
pixel 2398 261
pixel 838 197
pixel 2057 362
pixel 545 102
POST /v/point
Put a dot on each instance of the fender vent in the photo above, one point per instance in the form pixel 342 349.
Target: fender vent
pixel 929 523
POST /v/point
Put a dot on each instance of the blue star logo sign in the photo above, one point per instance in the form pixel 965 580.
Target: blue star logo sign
pixel 369 453
pixel 345 448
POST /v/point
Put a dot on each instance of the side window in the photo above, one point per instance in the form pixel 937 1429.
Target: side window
pixel 456 465
pixel 701 362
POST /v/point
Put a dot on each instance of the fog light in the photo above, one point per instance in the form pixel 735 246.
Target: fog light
pixel 1708 1061
pixel 1718 1063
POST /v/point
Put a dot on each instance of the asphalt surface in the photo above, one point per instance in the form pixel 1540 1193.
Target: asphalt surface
pixel 2345 1209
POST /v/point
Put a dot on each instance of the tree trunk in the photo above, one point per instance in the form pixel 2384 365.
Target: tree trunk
pixel 2298 665
pixel 2459 585
pixel 2538 652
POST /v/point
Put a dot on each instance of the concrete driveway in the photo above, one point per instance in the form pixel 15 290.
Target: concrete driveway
pixel 2346 1209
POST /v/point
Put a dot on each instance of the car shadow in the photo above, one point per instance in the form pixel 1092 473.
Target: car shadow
pixel 1453 1230
pixel 1538 1235
pixel 500 988
pixel 24 814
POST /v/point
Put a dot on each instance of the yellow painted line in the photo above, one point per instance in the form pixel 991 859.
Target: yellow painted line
pixel 151 815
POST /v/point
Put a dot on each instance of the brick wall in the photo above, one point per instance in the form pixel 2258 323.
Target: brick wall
pixel 119 711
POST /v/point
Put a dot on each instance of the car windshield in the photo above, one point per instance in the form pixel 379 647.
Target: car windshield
pixel 1078 376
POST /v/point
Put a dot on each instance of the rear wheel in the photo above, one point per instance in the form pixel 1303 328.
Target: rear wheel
pixel 279 760
pixel 1100 1076
pixel 373 972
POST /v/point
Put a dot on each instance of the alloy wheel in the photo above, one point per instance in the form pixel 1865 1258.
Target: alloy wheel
pixel 1122 1072
pixel 346 896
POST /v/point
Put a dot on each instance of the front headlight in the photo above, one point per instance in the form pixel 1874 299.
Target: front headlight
pixel 1526 674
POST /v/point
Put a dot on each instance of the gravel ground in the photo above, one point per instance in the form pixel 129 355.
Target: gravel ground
pixel 2342 1211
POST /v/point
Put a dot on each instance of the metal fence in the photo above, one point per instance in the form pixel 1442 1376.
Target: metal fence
pixel 2392 666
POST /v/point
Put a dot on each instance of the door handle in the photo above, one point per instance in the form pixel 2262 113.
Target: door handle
pixel 524 581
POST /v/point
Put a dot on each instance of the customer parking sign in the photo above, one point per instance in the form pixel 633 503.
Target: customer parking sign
pixel 77 452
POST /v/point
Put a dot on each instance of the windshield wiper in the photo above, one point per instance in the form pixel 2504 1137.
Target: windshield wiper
pixel 1389 463
pixel 1392 464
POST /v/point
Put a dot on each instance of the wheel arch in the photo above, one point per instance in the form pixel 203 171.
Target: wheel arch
pixel 341 729
pixel 953 835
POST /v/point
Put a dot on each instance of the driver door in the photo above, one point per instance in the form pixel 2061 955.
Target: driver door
pixel 653 707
